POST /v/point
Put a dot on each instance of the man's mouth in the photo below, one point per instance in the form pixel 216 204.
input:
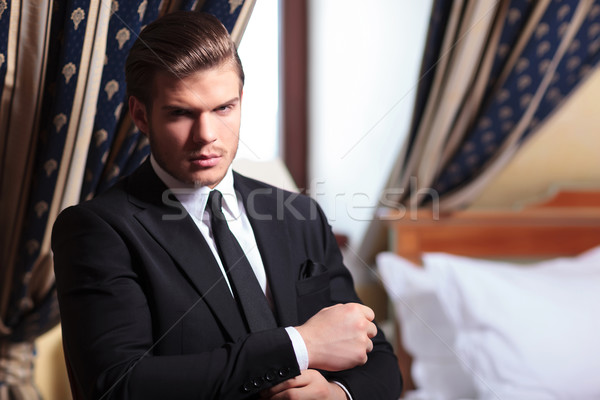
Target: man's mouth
pixel 205 160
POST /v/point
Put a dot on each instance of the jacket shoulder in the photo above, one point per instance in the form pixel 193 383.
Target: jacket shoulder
pixel 255 189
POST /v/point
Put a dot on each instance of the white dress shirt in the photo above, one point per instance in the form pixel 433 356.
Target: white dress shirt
pixel 194 199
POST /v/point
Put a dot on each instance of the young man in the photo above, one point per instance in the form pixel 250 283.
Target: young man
pixel 151 302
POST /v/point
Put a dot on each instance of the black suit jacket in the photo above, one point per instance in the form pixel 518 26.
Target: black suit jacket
pixel 146 313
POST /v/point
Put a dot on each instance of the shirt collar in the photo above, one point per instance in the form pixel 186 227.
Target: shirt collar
pixel 193 197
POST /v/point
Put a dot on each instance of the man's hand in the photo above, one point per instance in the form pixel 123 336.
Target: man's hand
pixel 310 384
pixel 339 337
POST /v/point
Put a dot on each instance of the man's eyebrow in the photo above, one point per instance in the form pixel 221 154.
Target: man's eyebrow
pixel 173 107
pixel 234 100
pixel 186 106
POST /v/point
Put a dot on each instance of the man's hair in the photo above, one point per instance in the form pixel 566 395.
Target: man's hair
pixel 180 44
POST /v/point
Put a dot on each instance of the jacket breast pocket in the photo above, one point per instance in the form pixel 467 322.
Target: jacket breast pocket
pixel 313 294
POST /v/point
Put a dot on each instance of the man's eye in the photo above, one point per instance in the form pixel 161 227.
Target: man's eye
pixel 224 108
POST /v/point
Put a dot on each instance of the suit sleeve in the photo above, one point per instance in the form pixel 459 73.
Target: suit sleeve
pixel 108 328
pixel 380 377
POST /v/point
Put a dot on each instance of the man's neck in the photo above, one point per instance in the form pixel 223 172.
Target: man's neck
pixel 195 196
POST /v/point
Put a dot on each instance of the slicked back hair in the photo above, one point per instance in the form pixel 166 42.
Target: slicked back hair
pixel 179 44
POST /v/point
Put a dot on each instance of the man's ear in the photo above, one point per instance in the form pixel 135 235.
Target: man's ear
pixel 139 114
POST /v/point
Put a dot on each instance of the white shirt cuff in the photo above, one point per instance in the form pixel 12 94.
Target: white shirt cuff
pixel 302 354
pixel 299 347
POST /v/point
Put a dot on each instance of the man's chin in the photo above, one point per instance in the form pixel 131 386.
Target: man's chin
pixel 199 184
pixel 205 176
pixel 210 181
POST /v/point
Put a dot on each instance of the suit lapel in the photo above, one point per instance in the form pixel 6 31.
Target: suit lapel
pixel 167 221
pixel 273 244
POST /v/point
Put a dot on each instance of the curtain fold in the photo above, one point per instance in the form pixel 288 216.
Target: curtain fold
pixel 123 28
pixel 497 72
pixel 492 73
pixel 65 135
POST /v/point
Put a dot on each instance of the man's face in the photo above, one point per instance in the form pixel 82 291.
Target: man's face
pixel 194 124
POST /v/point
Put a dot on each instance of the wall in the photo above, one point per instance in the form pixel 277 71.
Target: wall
pixel 258 50
pixel 364 62
pixel 565 152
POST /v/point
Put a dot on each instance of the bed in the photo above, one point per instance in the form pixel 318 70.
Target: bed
pixel 498 304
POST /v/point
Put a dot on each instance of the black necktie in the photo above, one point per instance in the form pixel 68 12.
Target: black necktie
pixel 246 289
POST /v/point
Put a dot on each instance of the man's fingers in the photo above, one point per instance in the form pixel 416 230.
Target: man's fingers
pixel 297 381
pixel 369 313
pixel 285 385
pixel 372 330
pixel 311 384
pixel 339 337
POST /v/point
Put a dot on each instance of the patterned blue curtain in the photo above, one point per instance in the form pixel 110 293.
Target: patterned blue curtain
pixel 65 135
pixel 529 58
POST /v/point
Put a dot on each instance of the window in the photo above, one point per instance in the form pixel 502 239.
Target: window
pixel 259 52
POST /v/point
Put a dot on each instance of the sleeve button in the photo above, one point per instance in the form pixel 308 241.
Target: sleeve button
pixel 258 382
pixel 283 372
pixel 271 375
pixel 248 386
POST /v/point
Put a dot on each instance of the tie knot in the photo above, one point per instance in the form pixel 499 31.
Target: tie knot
pixel 215 199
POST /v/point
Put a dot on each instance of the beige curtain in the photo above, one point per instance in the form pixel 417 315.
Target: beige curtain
pixel 493 71
pixel 43 152
pixel 461 85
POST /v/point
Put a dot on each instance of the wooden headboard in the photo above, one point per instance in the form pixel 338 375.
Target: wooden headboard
pixel 565 225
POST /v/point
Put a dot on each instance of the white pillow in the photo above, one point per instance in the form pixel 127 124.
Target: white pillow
pixel 521 332
pixel 527 332
pixel 427 333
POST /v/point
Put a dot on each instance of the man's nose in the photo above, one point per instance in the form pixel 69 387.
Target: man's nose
pixel 204 129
